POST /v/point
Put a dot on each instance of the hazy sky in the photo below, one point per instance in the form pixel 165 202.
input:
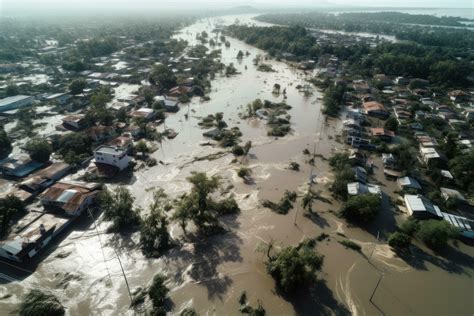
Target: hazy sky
pixel 380 3
pixel 71 7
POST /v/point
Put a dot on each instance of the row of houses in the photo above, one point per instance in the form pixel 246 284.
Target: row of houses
pixel 63 203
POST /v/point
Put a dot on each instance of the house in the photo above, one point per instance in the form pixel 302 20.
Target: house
pixel 418 82
pixel 15 102
pixel 389 161
pixel 180 90
pixel 188 82
pixel 357 188
pixel 355 114
pixel 351 124
pixel 401 114
pixel 428 154
pixel 420 207
pixel 70 198
pixel 117 106
pixel 45 177
pixel 19 167
pixel 375 109
pixel 408 183
pixel 382 134
pixel 360 174
pixel 451 194
pixel 426 141
pixel 133 131
pixel 447 174
pixel 464 225
pixel 458 96
pixel 124 142
pixel 75 122
pixel 361 87
pixel 391 174
pixel 145 113
pixel 112 156
pixel 100 133
pixel 401 81
pixel 171 105
pixel 33 233
pixel 60 98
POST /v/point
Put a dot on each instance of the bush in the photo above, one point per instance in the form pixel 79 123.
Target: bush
pixel 294 166
pixel 350 244
pixel 409 227
pixel 436 233
pixel 285 204
pixel 238 150
pixel 399 241
pixel 244 172
pixel 361 208
pixel 38 303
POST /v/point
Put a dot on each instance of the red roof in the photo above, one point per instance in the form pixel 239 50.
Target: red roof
pixel 373 106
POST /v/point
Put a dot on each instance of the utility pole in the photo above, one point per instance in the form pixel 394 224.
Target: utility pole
pixel 124 276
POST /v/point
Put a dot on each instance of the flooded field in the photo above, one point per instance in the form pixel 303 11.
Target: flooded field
pixel 210 274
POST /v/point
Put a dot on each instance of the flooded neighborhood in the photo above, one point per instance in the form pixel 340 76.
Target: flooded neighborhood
pixel 260 126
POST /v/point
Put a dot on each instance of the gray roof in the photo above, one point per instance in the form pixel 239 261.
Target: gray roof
pixel 418 204
pixel 13 99
pixel 409 182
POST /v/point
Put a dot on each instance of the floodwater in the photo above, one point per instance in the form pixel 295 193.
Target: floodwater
pixel 210 274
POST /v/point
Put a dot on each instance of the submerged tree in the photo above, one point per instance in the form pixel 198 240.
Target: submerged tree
pixel 118 208
pixel 199 207
pixel 158 293
pixel 38 303
pixel 293 267
pixel 154 236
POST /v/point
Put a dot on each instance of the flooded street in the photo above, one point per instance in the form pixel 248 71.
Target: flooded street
pixel 210 274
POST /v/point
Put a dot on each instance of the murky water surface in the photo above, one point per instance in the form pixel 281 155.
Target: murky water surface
pixel 211 274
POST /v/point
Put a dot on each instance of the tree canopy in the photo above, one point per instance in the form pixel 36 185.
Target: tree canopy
pixel 118 208
pixel 293 267
pixel 39 149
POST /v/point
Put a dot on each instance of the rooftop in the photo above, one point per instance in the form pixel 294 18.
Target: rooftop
pixel 418 203
pixel 16 98
pixel 111 150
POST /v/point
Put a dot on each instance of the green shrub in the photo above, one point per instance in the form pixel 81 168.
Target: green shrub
pixel 399 241
pixel 361 208
pixel 350 244
pixel 436 233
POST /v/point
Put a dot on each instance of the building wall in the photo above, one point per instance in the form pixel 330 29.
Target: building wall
pixel 109 159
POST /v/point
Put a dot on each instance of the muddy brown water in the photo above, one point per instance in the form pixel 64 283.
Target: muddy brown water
pixel 210 274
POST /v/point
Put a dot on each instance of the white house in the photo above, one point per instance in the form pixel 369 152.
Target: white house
pixel 112 155
pixel 428 153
